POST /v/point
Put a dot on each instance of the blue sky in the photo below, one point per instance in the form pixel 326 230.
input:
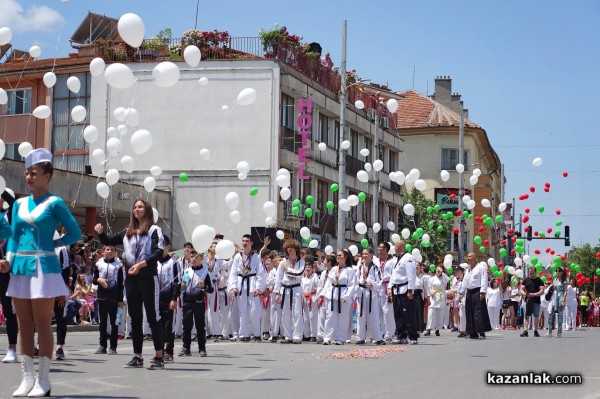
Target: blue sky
pixel 527 71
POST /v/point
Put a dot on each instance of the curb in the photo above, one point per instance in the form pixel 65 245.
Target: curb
pixel 77 328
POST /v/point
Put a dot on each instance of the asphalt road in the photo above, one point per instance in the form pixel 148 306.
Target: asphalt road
pixel 439 367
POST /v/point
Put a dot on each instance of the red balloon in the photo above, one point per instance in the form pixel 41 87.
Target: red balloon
pixel 511 232
pixel 500 264
pixel 549 277
pixel 532 189
pixel 542 274
pixel 587 280
pixel 452 196
pixel 481 229
pixel 565 174
pixel 558 211
pixel 598 255
pixel 525 219
pixel 549 230
pixel 486 243
pixel 537 252
pixel 527 228
pixel 546 184
pixel 456 231
pixel 527 210
pixel 536 233
pixel 500 279
pixel 458 212
pixel 563 257
pixel 512 251
pixel 552 252
pixel 547 189
pixel 596 279
pixel 503 243
pixel 513 239
pixel 579 275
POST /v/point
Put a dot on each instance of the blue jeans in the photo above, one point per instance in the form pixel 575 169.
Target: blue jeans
pixel 72 310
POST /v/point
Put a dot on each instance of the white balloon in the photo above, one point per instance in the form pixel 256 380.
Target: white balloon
pixel 328 250
pixel 141 141
pixel 112 177
pixel 419 258
pixel 202 237
pixel 284 171
pixel 322 146
pixel 285 193
pixel 466 199
pixel 448 257
pixel 97 66
pixel 270 209
pixel 232 200
pixel 415 251
pixel 473 180
pixel 392 105
pixel 192 56
pixel 131 117
pixel 246 96
pixel 25 148
pixel 405 233
pixel 421 185
pixel 510 270
pixel 49 79
pixel 114 146
pixel 282 181
pixel 78 113
pixel 304 232
pixel 149 184
pixel 243 167
pixel 395 238
pixel 345 145
pixel 2 188
pixel 165 74
pixel 225 108
pixel 409 209
pixel 460 168
pixel 5 35
pixel 74 84
pixel 42 112
pixel 392 176
pixel 98 155
pixel 378 165
pixel 400 178
pixel 368 166
pixel 242 176
pixel 471 204
pixel 103 190
pixel 447 263
pixel 156 171
pixel 376 228
pixel 235 216
pixel 425 238
pixel 362 176
pixel 445 175
pixel 537 162
pixel 364 152
pixel 3 96
pixel 361 228
pixel 527 259
pixel 205 154
pixel 2 149
pixel 203 81
pixel 519 273
pixel 313 244
pixel 353 249
pixel 518 262
pixel 502 207
pixel 119 76
pixel 353 200
pixel 119 114
pixel 225 249
pixel 131 29
pixel 415 174
pixel 280 234
pixel 35 51
pixel 112 132
pixel 391 226
pixel 359 104
pixel 269 221
pixel 194 208
pixel 491 261
pixel 128 163
pixel 344 205
pixel 122 130
pixel 155 214
pixel 486 203
pixel 477 172
pixel 90 134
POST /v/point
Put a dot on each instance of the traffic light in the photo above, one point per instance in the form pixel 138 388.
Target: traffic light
pixel 567 237
pixel 529 230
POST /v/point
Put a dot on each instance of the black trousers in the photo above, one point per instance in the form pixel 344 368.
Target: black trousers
pixel 166 320
pixel 12 328
pixel 194 311
pixel 478 319
pixel 405 317
pixel 142 293
pixel 419 309
pixel 61 323
pixel 108 309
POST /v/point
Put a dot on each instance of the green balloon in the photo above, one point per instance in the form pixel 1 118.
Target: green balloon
pixel 471 216
pixel 519 250
pixel 408 248
pixel 426 244
pixel 577 268
pixel 450 214
pixel 488 221
pixel 499 274
pixel 330 205
pixel 554 267
pixel 308 212
pixel 444 216
pixel 430 224
pixel 429 209
pixel 466 214
pixel 364 243
pixel 415 236
pixel 334 187
pixel 432 267
pixel 541 209
pixel 558 261
pixel 498 218
pixel 503 252
pixel 477 240
pixel 253 191
pixel 538 268
pixel 440 228
pixel 437 209
pixel 297 202
pixel 310 200
pixel 557 233
pixel 543 279
pixel 183 177
pixel 598 272
pixel 420 231
pixel 542 234
pixel 554 275
pixel 362 196
pixel 309 239
pixel 494 268
pixel 482 249
pixel 519 242
pixel 295 211
pixel 558 223
pixel 449 270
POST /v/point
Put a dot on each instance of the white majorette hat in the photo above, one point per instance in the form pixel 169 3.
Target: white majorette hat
pixel 36 156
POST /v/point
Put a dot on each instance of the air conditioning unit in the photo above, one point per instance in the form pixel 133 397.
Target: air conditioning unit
pixel 383 122
pixel 316 218
pixel 371 113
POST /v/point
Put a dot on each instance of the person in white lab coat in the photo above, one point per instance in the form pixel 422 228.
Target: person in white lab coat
pixel 339 294
pixel 474 289
pixel 310 283
pixel 437 300
pixel 369 283
pixel 289 293
pixel 322 289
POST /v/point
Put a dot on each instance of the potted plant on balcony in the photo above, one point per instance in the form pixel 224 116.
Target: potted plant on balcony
pixel 270 38
pixel 157 46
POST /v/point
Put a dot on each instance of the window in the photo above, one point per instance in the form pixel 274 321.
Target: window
pixel 450 158
pixel 453 242
pixel 323 128
pixel 68 146
pixel 354 150
pixel 19 102
pixel 369 146
pixel 287 111
pixel 392 163
pixel 12 152
pixel 334 140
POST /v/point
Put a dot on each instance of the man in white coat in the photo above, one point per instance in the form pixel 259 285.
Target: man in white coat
pixel 289 293
pixel 385 264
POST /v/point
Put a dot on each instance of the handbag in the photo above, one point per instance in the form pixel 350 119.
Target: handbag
pixel 549 293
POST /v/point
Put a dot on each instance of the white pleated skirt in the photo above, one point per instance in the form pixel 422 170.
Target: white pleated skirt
pixel 39 285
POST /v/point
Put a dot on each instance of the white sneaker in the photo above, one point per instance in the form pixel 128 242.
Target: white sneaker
pixel 11 356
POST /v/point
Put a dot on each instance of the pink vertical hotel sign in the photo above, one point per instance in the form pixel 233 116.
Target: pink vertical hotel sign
pixel 304 122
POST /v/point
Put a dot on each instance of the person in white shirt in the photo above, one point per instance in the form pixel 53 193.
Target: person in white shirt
pixel 322 290
pixel 265 297
pixel 310 282
pixel 571 306
pixel 545 304
pixel 474 289
pixel 494 303
pixel 369 282
pixel 274 307
pixel 401 290
pixel 437 298
pixel 386 314
pixel 213 314
pixel 339 294
pixel 289 293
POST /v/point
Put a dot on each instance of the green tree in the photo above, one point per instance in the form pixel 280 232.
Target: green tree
pixel 585 257
pixel 431 221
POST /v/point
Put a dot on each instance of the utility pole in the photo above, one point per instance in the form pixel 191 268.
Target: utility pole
pixel 341 222
pixel 461 187
pixel 376 182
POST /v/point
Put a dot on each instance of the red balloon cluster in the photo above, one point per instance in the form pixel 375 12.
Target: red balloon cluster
pixel 524 197
pixel 547 187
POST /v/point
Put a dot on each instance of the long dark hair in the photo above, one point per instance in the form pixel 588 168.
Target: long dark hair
pixel 563 279
pixel 349 258
pixel 140 228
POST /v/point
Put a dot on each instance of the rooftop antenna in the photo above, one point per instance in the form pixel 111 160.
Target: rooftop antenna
pixel 414 69
pixel 197 6
pixel 427 92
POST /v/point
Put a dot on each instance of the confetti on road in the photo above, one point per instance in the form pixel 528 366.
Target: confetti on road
pixel 363 353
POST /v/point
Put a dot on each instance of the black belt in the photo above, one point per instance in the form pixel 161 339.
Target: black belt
pixel 361 299
pixel 245 278
pixel 396 287
pixel 291 288
pixel 339 288
pixel 418 291
pixel 473 290
pixel 223 289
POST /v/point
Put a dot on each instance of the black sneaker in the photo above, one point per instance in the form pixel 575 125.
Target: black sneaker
pixel 168 358
pixel 524 334
pixel 536 333
pixel 202 353
pixel 60 354
pixel 135 363
pixel 157 364
pixel 185 352
pixel 100 351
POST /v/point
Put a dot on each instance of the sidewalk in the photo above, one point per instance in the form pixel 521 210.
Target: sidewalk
pixel 77 328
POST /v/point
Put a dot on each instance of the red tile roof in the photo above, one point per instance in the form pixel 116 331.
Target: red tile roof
pixel 416 110
pixel 44 65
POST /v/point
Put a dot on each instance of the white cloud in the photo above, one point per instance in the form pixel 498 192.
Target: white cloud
pixel 33 19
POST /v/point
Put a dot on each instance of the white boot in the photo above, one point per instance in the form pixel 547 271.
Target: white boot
pixel 42 382
pixel 28 377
